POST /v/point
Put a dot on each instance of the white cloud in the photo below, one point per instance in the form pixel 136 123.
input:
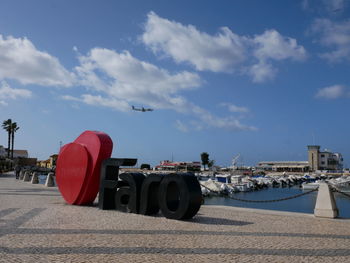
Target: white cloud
pixel 219 53
pixel 116 80
pixel 223 52
pixel 21 61
pixel 122 76
pixel 332 92
pixel 327 7
pixel 8 93
pixel 305 4
pixel 98 100
pixel 228 123
pixel 181 126
pixel 272 45
pixel 334 5
pixel 120 80
pixel 209 120
pixel 233 108
pixel 262 72
pixel 335 36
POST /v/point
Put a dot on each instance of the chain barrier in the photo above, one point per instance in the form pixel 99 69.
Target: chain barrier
pixel 274 200
pixel 266 201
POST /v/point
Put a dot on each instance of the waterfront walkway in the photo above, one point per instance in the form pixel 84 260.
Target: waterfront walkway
pixel 37 226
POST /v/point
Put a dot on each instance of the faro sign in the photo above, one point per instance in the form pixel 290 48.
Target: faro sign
pixel 84 169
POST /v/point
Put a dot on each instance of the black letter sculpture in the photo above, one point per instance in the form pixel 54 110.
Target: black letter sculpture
pixel 149 204
pixel 109 181
pixel 127 198
pixel 178 196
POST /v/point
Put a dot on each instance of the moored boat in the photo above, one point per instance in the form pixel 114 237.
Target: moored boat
pixel 310 186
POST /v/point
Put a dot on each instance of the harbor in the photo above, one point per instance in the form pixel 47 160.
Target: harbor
pixel 282 192
pixel 174 131
pixel 270 185
pixel 303 204
pixel 38 226
pixel 228 185
pixel 255 216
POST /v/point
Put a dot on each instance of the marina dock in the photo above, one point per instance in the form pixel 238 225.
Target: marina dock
pixel 36 225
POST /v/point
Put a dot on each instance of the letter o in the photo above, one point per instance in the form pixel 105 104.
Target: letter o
pixel 180 196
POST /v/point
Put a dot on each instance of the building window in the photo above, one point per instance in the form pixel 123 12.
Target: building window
pixel 332 162
pixel 322 162
pixel 322 155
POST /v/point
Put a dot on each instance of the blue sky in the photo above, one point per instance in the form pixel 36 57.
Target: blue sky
pixel 259 78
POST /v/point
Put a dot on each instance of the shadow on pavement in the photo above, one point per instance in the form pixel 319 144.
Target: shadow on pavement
pixel 218 221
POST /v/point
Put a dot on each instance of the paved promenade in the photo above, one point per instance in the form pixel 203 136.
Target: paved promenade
pixel 37 226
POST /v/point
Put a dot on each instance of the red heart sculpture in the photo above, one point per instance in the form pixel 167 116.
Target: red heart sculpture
pixel 79 164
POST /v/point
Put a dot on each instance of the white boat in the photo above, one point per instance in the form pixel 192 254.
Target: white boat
pixel 211 185
pixel 342 183
pixel 242 187
pixel 310 186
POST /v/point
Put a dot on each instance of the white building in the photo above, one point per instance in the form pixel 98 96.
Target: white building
pixel 284 166
pixel 317 160
pixel 324 160
pixel 330 161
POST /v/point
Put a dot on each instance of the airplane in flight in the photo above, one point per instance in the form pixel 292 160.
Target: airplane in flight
pixel 141 109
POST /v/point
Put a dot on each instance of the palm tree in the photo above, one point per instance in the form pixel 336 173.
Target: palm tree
pixel 6 125
pixel 14 128
pixel 205 158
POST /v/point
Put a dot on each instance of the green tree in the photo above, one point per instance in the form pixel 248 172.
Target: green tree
pixel 14 128
pixel 6 125
pixel 205 158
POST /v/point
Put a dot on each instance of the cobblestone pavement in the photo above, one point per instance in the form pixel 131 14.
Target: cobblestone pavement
pixel 37 226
